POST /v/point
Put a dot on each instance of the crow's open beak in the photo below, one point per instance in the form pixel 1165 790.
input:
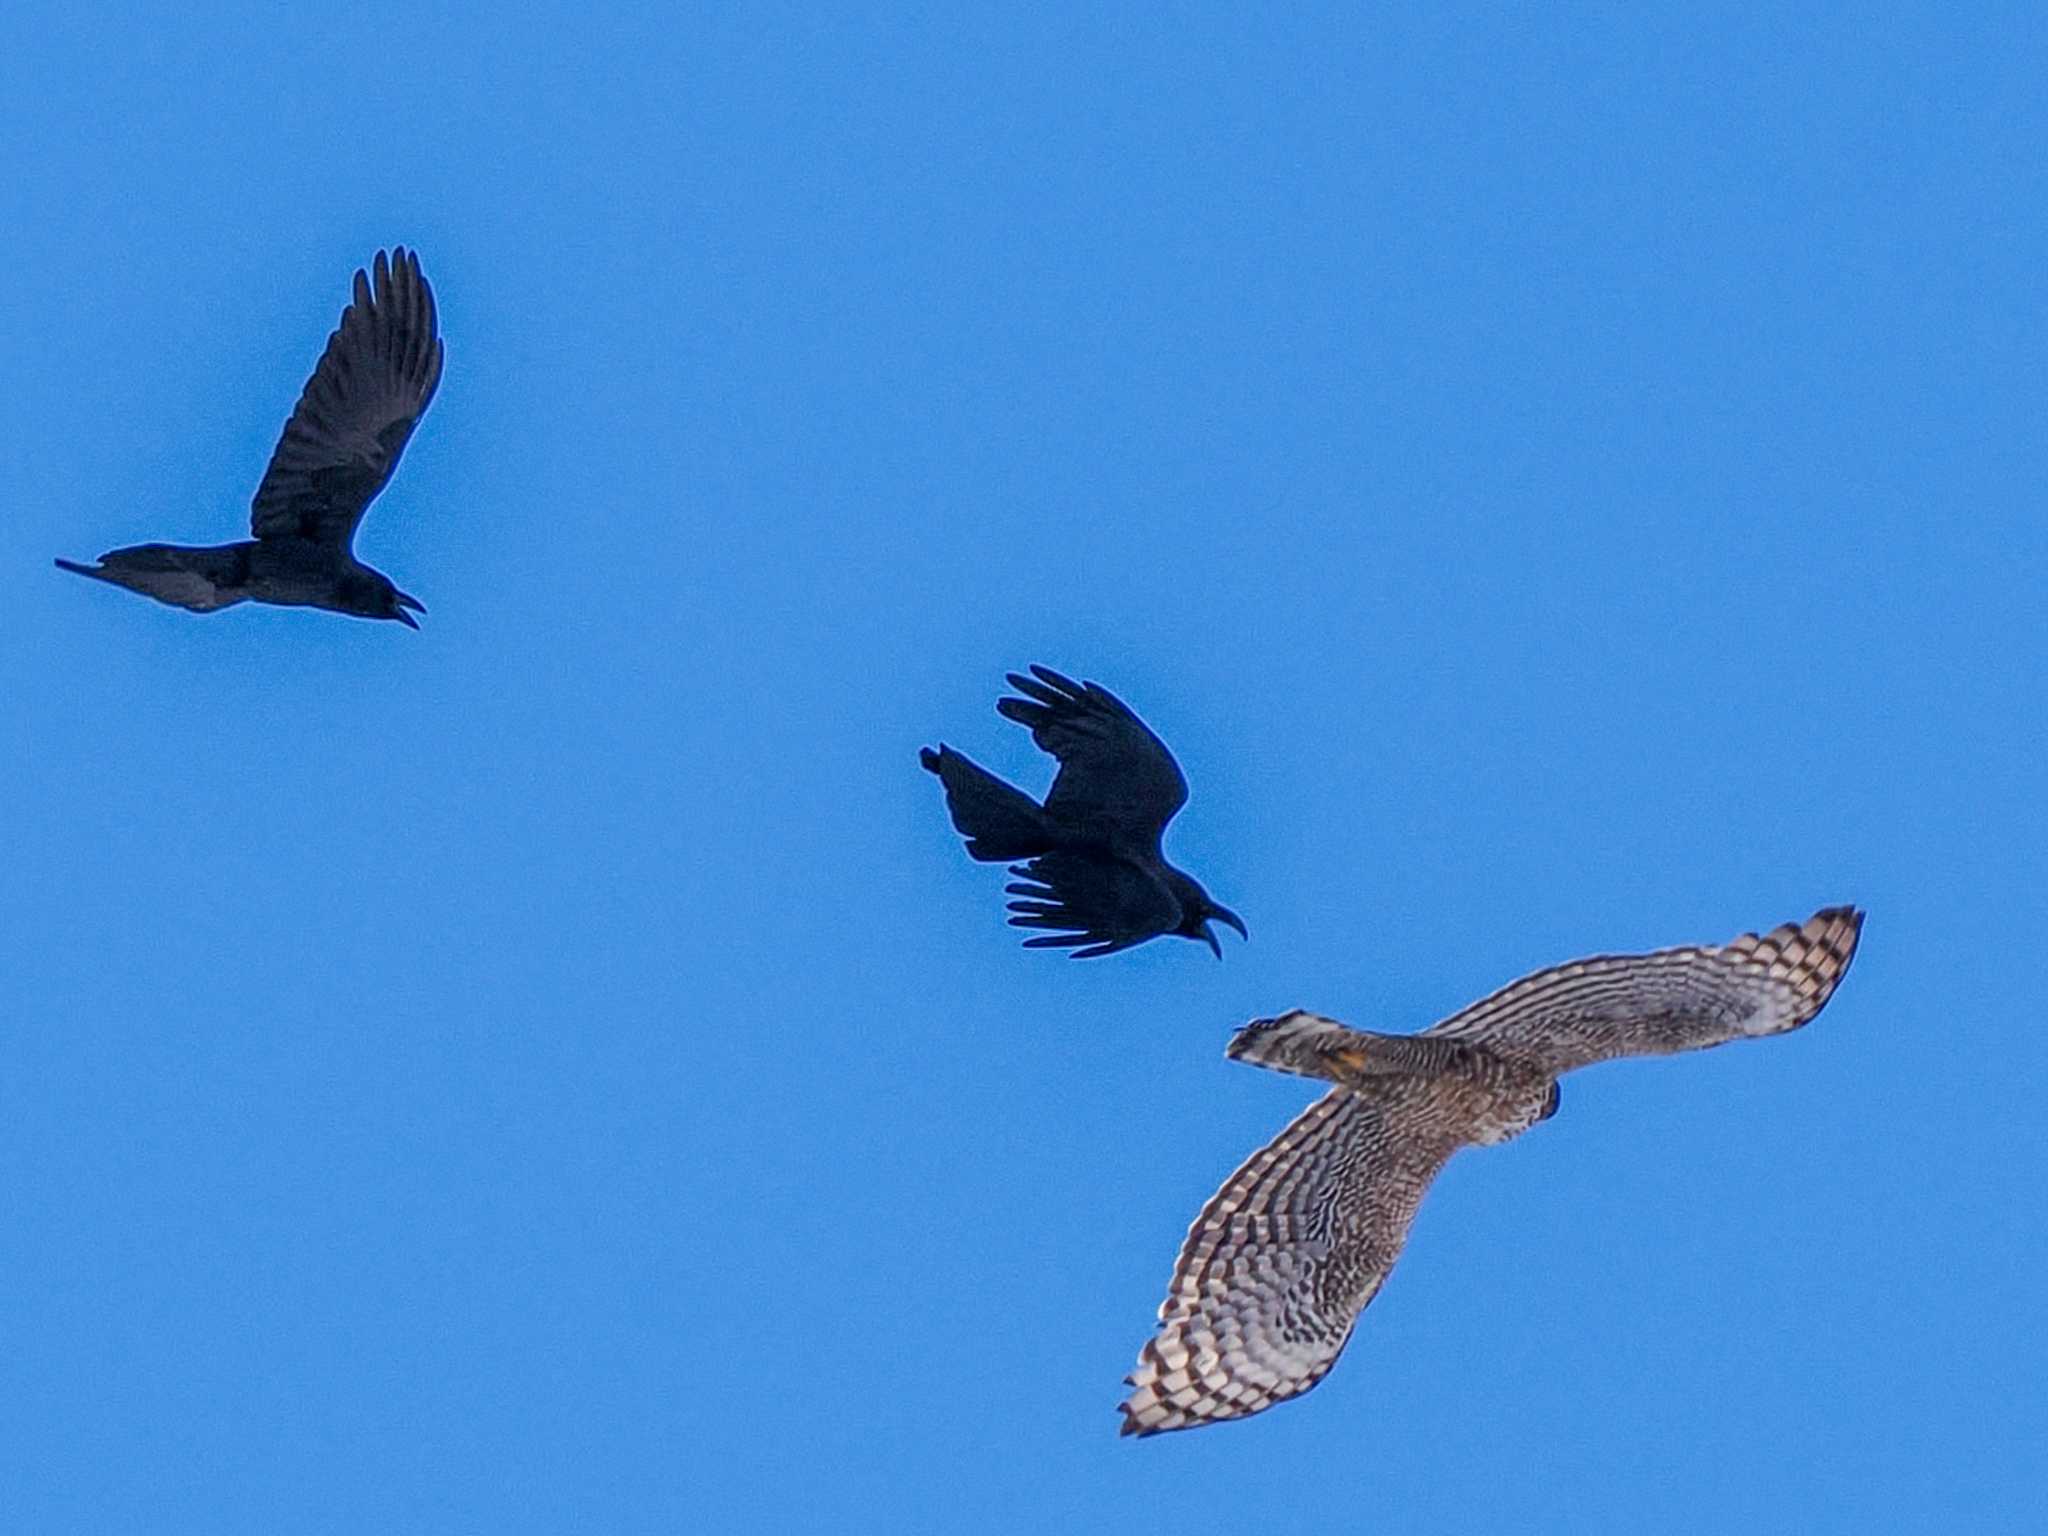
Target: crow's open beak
pixel 1209 939
pixel 407 600
pixel 406 619
pixel 1225 915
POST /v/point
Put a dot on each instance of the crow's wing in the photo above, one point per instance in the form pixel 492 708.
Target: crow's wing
pixel 1669 1000
pixel 1113 770
pixel 366 394
pixel 1100 901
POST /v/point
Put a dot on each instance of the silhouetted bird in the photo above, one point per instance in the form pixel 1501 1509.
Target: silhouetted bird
pixel 342 443
pixel 1092 868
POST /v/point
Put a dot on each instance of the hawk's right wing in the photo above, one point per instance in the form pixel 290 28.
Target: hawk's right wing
pixel 1286 1255
pixel 1669 1000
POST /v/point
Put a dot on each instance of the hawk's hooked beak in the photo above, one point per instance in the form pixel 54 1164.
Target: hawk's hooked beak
pixel 406 600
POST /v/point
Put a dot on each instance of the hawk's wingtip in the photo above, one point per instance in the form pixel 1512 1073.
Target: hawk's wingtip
pixel 1833 920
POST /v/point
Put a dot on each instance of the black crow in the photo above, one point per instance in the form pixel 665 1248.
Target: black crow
pixel 1091 869
pixel 342 443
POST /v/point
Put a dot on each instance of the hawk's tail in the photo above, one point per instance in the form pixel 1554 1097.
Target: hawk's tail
pixel 1309 1045
pixel 1000 823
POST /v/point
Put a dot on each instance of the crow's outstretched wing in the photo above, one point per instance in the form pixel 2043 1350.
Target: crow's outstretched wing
pixel 1095 900
pixel 1113 771
pixel 1669 1000
pixel 367 393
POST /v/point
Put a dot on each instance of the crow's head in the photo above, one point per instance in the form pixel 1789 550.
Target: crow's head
pixel 1197 911
pixel 369 594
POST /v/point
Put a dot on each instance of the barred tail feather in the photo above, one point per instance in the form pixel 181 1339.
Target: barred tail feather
pixel 1309 1045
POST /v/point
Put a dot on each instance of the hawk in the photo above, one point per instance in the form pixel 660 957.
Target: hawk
pixel 1090 871
pixel 1295 1244
pixel 340 446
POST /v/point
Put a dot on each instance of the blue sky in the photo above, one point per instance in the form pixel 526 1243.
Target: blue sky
pixel 1561 479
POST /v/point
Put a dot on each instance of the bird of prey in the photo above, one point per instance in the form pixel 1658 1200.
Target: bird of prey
pixel 339 448
pixel 1294 1245
pixel 1088 860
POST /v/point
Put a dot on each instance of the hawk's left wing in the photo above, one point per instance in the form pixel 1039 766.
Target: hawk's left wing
pixel 1286 1255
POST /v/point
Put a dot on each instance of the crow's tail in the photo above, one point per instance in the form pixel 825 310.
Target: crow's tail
pixel 999 823
pixel 199 577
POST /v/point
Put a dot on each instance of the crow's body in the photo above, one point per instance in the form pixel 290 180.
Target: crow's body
pixel 380 370
pixel 1089 858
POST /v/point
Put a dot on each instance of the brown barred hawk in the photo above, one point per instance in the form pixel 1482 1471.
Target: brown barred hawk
pixel 1294 1245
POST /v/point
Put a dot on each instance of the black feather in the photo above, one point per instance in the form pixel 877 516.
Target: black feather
pixel 1087 861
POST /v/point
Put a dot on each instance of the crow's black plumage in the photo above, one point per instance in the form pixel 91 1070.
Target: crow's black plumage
pixel 1089 859
pixel 367 393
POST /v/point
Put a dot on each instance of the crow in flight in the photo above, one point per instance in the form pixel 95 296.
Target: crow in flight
pixel 339 448
pixel 1091 867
